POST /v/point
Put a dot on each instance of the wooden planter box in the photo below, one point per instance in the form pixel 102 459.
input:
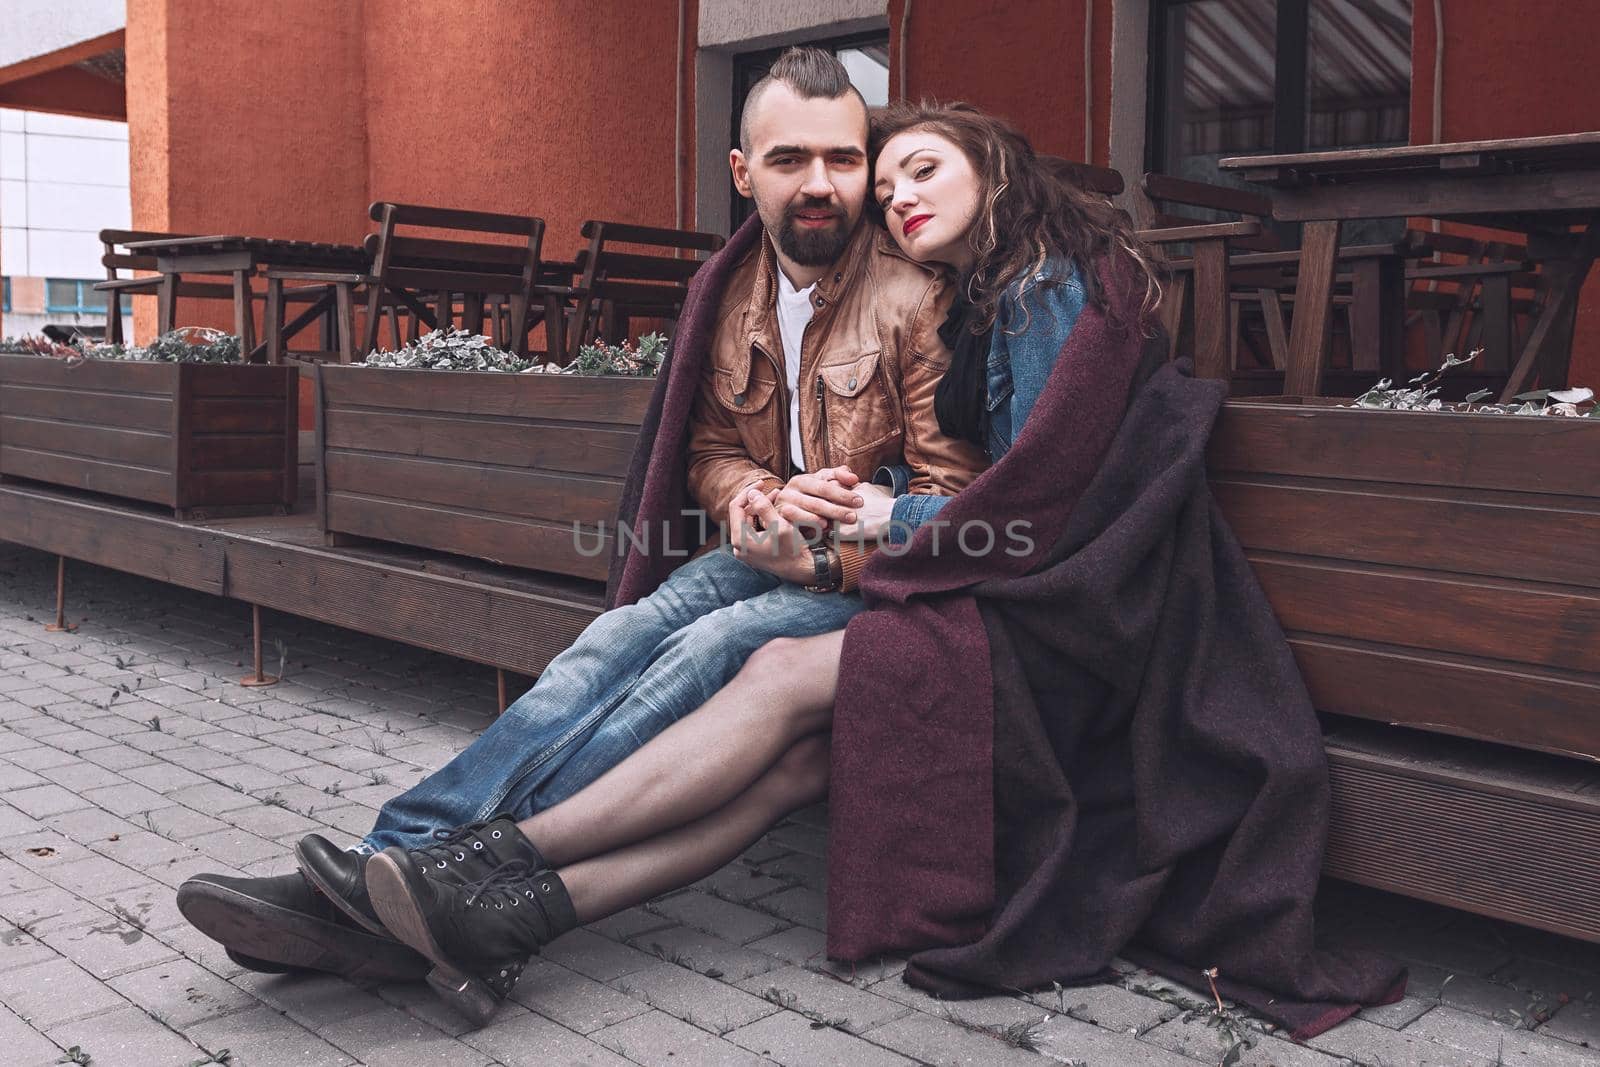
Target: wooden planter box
pixel 1438 571
pixel 495 466
pixel 200 438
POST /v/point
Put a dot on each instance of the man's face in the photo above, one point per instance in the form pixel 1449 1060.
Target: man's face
pixel 806 171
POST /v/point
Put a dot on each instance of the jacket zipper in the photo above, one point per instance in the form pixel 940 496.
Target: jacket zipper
pixel 822 406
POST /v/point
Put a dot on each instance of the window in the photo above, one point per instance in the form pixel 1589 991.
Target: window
pixel 1236 77
pixel 73 296
pixel 865 57
pixel 5 294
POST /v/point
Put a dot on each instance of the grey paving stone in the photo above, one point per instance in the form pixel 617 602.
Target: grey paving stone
pixel 1480 1037
pixel 165 778
pixel 13 822
pixel 594 956
pixel 1194 1039
pixel 202 760
pixel 127 1036
pixel 120 758
pixel 95 875
pixel 1398 1015
pixel 81 775
pixel 312 1000
pixel 55 991
pixel 183 824
pixel 731 922
pixel 801 905
pixel 798 868
pixel 23 1045
pixel 391 1036
pixel 38 911
pixel 143 849
pixel 1550 979
pixel 44 800
pixel 706 953
pixel 214 799
pixel 1366 1042
pixel 126 799
pixel 194 945
pixel 821 997
pixel 91 825
pixel 271 821
pixel 1502 1003
pixel 1578 1023
pixel 237 847
pixel 657 1039
pixel 18 949
pixel 629 923
pixel 523 1039
pixel 109 946
pixel 933 1041
pixel 182 993
pixel 798 944
pixel 277 760
pixel 788 1038
pixel 152 906
pixel 799 837
pixel 263 1038
pixel 739 884
pixel 687 995
pixel 578 1003
pixel 247 777
pixel 14 777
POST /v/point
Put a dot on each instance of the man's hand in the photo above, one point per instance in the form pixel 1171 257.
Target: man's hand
pixel 820 498
pixel 767 541
pixel 874 514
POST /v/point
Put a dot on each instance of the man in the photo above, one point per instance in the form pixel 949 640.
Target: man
pixel 821 369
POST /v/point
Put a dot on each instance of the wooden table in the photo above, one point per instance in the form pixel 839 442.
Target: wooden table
pixel 240 257
pixel 1541 186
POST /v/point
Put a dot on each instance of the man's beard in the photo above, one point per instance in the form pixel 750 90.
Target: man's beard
pixel 809 247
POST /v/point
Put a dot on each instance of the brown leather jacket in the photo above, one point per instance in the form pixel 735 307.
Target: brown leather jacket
pixel 870 361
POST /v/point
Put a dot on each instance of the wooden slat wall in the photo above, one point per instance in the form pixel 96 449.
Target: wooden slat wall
pixel 240 435
pixel 104 427
pixel 494 466
pixel 1434 570
pixel 184 436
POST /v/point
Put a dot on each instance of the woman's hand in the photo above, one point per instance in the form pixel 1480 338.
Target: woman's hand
pixel 819 499
pixel 767 541
pixel 875 512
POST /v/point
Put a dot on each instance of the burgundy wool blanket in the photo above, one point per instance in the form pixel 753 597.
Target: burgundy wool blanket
pixel 1049 756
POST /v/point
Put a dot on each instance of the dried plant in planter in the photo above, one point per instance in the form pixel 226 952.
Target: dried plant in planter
pixel 635 361
pixel 450 350
pixel 188 344
pixel 1422 394
pixel 36 345
pixel 460 350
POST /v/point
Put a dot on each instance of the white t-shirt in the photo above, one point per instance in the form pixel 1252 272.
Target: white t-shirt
pixel 794 312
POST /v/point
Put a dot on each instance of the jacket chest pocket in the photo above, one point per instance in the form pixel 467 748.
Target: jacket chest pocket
pixel 858 412
pixel 752 412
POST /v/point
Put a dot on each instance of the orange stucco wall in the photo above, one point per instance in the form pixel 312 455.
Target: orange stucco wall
pixel 1514 70
pixel 1023 59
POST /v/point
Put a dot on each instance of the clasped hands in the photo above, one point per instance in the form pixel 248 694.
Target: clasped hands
pixel 773 531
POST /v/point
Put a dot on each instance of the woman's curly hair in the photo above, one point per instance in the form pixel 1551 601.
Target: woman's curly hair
pixel 1030 208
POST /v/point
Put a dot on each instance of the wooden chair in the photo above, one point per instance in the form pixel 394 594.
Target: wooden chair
pixel 1471 292
pixel 428 276
pixel 612 286
pixel 1257 275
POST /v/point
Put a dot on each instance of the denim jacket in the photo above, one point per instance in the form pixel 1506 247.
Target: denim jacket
pixel 1019 365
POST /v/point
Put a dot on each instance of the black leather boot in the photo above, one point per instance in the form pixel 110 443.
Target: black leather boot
pixel 461 855
pixel 479 935
pixel 283 923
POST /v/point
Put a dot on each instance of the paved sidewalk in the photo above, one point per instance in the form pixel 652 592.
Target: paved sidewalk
pixel 130 759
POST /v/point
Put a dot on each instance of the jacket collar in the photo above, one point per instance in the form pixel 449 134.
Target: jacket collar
pixel 760 314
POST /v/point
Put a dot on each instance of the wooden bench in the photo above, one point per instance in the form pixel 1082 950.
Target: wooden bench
pixel 1439 573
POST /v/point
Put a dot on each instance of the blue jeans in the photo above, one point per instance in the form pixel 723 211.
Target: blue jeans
pixel 632 673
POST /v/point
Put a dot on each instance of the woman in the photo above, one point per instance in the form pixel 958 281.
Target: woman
pixel 954 187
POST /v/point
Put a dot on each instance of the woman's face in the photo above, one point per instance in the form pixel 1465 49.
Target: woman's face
pixel 929 193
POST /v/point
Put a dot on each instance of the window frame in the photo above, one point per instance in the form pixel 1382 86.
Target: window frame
pixel 84 285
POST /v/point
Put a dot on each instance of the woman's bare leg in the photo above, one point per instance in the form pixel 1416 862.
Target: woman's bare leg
pixel 704 760
pixel 632 875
